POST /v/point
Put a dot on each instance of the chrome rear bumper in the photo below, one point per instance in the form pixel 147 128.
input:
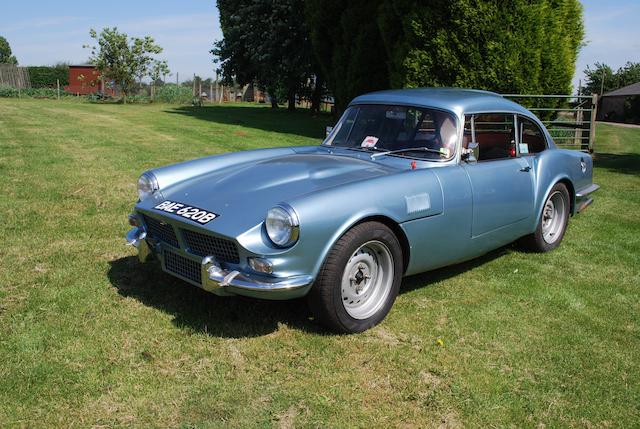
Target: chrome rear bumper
pixel 214 278
pixel 583 199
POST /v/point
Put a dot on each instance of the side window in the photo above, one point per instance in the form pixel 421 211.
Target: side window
pixel 531 137
pixel 494 133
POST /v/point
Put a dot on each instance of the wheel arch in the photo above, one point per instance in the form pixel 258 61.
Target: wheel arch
pixel 385 220
pixel 572 193
pixel 397 231
pixel 566 181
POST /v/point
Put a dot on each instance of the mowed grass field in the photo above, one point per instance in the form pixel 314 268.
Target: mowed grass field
pixel 90 338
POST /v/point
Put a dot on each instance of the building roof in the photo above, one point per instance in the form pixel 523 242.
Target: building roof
pixel 625 91
pixel 456 100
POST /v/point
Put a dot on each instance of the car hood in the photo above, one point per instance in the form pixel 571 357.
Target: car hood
pixel 241 194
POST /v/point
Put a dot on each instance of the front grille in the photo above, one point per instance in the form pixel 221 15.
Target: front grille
pixel 160 231
pixel 207 245
pixel 184 267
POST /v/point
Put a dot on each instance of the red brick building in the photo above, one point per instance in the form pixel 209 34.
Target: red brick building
pixel 85 79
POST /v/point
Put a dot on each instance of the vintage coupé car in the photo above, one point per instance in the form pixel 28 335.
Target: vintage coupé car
pixel 407 181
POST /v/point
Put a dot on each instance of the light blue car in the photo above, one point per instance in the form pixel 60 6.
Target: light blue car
pixel 407 181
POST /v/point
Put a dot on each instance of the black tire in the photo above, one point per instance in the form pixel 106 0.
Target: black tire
pixel 536 242
pixel 326 297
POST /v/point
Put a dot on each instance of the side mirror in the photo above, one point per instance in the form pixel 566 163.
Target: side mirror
pixel 469 154
pixel 328 131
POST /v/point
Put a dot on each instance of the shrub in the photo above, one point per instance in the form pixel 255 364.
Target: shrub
pixel 40 92
pixel 138 99
pixel 8 91
pixel 11 92
pixel 46 76
pixel 171 93
pixel 96 97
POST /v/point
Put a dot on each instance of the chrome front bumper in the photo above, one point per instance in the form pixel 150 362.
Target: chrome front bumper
pixel 221 281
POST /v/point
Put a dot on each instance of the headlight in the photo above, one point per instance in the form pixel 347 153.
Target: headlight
pixel 282 225
pixel 147 185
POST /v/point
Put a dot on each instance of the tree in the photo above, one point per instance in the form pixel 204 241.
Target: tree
pixel 122 59
pixel 158 71
pixel 485 44
pixel 594 79
pixel 267 42
pixel 5 52
pixel 626 75
pixel 348 47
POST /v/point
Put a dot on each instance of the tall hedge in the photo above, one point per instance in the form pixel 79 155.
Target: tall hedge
pixel 46 76
pixel 349 46
pixel 514 46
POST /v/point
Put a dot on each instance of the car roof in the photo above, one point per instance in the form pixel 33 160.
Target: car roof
pixel 456 100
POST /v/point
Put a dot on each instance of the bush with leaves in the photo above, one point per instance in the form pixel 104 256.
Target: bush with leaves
pixel 172 93
pixel 47 76
pixel 11 92
pixel 8 91
pixel 525 47
pixel 98 97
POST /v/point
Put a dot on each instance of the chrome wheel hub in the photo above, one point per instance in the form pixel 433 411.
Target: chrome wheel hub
pixel 553 216
pixel 367 280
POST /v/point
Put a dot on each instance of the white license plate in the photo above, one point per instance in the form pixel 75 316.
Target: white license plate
pixel 188 212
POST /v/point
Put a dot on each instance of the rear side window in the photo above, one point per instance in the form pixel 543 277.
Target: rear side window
pixel 532 139
pixel 494 134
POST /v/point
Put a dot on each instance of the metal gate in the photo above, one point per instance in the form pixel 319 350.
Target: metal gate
pixel 571 126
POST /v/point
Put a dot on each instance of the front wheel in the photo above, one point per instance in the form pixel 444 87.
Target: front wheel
pixel 552 223
pixel 359 280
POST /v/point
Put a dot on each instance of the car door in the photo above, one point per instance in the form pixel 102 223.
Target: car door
pixel 501 181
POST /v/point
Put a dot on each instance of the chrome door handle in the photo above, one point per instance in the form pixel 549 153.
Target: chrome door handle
pixel 525 169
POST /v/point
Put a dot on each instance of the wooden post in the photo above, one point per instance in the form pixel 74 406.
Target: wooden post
pixel 199 88
pixel 58 87
pixel 594 113
pixel 210 91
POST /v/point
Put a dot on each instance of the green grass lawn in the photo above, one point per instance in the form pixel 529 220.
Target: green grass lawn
pixel 90 338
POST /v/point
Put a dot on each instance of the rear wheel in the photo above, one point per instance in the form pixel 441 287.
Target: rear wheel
pixel 552 223
pixel 359 280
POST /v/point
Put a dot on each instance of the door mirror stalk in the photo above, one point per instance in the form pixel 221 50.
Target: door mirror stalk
pixel 468 153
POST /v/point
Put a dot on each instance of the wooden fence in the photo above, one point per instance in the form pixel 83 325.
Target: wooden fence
pixel 17 77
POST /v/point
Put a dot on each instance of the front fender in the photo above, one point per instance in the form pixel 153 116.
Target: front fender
pixel 325 216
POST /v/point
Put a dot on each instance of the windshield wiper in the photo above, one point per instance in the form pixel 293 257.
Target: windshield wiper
pixel 366 149
pixel 413 149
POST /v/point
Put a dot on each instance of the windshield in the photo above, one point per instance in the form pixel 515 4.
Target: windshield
pixel 408 131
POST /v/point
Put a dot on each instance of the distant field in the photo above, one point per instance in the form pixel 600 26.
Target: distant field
pixel 90 338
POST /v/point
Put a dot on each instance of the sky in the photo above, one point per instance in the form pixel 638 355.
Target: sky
pixel 43 32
